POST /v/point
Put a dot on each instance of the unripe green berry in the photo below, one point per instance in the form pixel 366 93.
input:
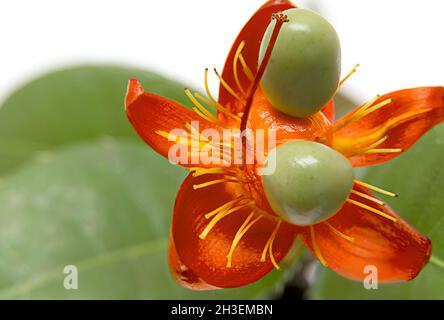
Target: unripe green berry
pixel 303 72
pixel 310 182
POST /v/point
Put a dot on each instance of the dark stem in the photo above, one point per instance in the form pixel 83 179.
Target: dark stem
pixel 280 19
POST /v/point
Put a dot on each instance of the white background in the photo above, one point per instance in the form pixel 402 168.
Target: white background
pixel 399 43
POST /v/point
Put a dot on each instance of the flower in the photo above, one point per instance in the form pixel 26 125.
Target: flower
pixel 224 232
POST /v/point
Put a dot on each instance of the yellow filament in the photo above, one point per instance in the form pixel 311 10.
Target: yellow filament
pixel 226 206
pixel 203 112
pixel 366 109
pixel 392 150
pixel 269 247
pixel 348 76
pixel 196 136
pixel 200 114
pixel 358 113
pixel 373 108
pixel 339 233
pixel 225 155
pixel 381 130
pixel 371 209
pixel 217 106
pixel 366 196
pixel 377 143
pixel 245 68
pixel 387 193
pixel 166 135
pixel 180 140
pixel 217 218
pixel 370 147
pixel 227 87
pixel 213 182
pixel 184 140
pixel 193 131
pixel 316 248
pixel 240 233
pixel 367 105
pixel 207 88
pixel 197 172
pixel 213 222
pixel 225 159
pixel 235 60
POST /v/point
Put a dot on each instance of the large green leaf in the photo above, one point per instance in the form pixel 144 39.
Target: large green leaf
pixel 418 177
pixel 69 105
pixel 79 188
pixel 104 207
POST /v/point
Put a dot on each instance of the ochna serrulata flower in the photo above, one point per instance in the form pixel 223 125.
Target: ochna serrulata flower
pixel 232 224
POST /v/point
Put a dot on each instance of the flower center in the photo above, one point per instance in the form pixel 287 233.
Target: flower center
pixel 308 182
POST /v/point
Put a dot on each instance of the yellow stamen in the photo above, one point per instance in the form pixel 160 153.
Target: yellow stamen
pixel 227 87
pixel 207 88
pixel 240 233
pixel 269 247
pixel 196 136
pixel 184 140
pixel 225 159
pixel 236 76
pixel 358 113
pixel 370 147
pixel 387 193
pixel 373 108
pixel 194 133
pixel 392 150
pixel 196 150
pixel 366 196
pixel 197 172
pixel 245 68
pixel 339 233
pixel 166 135
pixel 316 248
pixel 230 204
pixel 371 209
pixel 218 217
pixel 200 114
pixel 213 182
pixel 348 76
pixel 203 112
pixel 217 106
pixel 377 143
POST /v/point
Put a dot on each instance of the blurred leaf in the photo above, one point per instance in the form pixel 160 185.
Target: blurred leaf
pixel 74 104
pixel 104 207
pixel 418 177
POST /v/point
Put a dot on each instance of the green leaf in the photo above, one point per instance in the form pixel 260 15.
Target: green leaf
pixel 418 177
pixel 104 207
pixel 78 187
pixel 69 105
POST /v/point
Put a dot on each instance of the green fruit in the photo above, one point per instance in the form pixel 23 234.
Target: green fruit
pixel 303 72
pixel 310 182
